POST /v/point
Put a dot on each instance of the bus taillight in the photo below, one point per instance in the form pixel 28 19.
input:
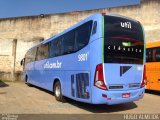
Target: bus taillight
pixel 99 77
pixel 144 77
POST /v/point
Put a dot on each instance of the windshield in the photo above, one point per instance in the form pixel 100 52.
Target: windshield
pixel 123 41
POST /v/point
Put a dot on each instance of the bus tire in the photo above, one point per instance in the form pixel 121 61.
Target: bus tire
pixel 58 92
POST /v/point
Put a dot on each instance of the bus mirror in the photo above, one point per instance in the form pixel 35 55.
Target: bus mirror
pixel 22 61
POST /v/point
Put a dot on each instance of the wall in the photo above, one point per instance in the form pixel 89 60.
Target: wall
pixel 30 30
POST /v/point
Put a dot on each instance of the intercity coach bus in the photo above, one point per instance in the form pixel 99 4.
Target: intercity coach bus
pixel 100 60
pixel 153 65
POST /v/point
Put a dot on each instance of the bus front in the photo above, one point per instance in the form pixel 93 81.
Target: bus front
pixel 120 78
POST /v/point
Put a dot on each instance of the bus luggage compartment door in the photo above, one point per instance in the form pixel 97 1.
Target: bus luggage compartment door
pixel 122 76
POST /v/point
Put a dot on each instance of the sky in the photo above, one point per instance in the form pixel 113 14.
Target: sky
pixel 19 8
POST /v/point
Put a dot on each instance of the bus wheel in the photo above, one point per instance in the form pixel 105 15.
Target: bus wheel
pixel 58 92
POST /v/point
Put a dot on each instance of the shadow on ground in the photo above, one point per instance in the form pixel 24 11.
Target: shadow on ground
pixel 153 92
pixel 3 84
pixel 97 108
pixel 102 108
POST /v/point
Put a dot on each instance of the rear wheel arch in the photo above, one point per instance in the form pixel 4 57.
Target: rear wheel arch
pixel 55 80
pixel 57 84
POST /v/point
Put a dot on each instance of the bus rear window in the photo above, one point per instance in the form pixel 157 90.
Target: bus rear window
pixel 123 41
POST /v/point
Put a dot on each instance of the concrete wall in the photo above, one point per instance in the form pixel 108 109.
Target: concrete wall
pixel 30 30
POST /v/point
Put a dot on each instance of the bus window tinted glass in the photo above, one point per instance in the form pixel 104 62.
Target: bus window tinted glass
pixel 55 47
pixel 153 54
pixel 94 28
pixel 123 41
pixel 30 55
pixel 68 43
pixel 42 52
pixel 148 55
pixel 83 35
pixel 157 55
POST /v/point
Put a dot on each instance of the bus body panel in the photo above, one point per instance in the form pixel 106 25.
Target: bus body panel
pixel 63 68
pixel 117 78
pixel 153 76
pixel 153 66
pixel 29 71
pixel 76 82
pixel 131 80
pixel 115 97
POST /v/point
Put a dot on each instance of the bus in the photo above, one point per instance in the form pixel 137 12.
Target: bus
pixel 100 60
pixel 153 65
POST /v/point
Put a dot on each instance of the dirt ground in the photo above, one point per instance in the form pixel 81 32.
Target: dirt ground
pixel 18 98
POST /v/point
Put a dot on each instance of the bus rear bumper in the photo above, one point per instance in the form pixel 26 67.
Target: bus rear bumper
pixel 116 97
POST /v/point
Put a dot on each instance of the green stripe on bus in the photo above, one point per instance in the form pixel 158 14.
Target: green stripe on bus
pixel 102 39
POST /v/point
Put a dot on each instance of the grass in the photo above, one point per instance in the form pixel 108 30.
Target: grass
pixel 1 81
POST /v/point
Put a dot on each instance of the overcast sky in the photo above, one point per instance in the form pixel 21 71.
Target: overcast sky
pixel 15 8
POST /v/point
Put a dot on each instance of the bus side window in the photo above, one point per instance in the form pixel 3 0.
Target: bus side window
pixel 42 52
pixel 22 62
pixel 69 43
pixel 94 28
pixel 27 57
pixel 52 47
pixel 149 55
pixel 157 55
pixel 83 35
pixel 30 56
pixel 55 48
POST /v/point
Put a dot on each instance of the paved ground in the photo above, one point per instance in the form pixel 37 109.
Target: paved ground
pixel 18 98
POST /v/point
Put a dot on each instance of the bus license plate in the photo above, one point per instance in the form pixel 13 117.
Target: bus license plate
pixel 125 95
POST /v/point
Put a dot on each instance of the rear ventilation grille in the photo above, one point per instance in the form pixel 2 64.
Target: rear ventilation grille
pixel 134 85
pixel 116 87
pixel 72 86
pixel 80 85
